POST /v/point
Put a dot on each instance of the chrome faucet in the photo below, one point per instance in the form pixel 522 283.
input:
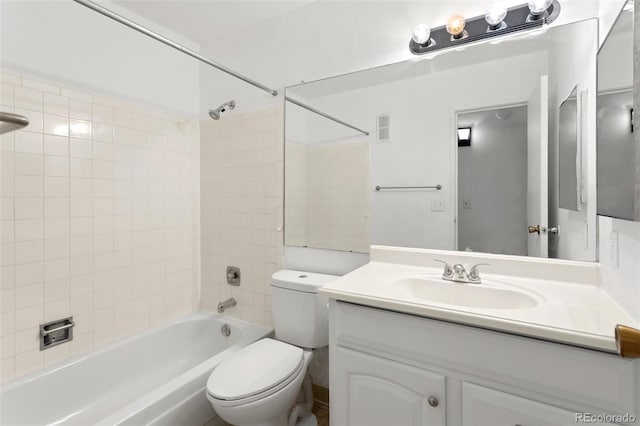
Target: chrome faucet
pixel 459 274
pixel 230 302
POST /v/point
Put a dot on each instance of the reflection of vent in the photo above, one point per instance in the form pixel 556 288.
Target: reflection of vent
pixel 384 128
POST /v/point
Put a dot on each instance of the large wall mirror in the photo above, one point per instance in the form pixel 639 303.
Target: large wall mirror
pixel 463 151
pixel 618 154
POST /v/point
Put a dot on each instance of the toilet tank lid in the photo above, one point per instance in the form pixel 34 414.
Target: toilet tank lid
pixel 309 282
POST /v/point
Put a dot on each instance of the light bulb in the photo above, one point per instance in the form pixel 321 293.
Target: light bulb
pixel 496 14
pixel 421 34
pixel 538 7
pixel 455 25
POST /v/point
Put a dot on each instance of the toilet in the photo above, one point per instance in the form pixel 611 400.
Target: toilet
pixel 262 384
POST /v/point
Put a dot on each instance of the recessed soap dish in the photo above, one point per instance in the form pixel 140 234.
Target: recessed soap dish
pixel 56 332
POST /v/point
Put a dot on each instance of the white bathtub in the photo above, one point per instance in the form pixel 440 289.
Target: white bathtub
pixel 156 377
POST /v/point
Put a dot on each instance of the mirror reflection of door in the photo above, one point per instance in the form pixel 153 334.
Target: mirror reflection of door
pixel 492 181
pixel 538 164
pixel 501 187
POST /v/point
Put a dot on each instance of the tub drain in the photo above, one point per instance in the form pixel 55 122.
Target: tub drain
pixel 225 330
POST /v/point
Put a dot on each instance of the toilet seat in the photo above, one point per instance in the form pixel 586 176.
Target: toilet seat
pixel 255 372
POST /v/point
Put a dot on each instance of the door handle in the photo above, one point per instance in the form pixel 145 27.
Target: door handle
pixel 537 229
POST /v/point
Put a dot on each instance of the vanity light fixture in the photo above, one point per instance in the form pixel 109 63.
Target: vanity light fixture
pixel 422 35
pixel 497 21
pixel 538 9
pixel 464 136
pixel 455 27
pixel 495 16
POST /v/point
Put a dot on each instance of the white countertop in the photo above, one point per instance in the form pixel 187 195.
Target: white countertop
pixel 567 312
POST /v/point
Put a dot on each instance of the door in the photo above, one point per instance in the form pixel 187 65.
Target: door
pixel 483 406
pixel 374 391
pixel 537 169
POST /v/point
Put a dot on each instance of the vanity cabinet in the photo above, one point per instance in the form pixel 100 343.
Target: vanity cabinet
pixel 389 368
pixel 378 391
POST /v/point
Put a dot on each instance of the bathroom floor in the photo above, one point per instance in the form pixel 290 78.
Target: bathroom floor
pixel 321 412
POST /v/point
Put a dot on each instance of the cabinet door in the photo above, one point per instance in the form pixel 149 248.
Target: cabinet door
pixel 486 407
pixel 370 391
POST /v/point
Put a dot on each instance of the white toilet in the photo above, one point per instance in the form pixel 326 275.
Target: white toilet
pixel 259 385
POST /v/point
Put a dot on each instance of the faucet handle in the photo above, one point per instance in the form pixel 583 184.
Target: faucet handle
pixel 448 271
pixel 474 272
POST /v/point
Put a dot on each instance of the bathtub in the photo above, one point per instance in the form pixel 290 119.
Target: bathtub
pixel 157 377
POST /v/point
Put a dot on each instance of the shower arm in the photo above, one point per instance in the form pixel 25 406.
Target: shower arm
pixel 121 19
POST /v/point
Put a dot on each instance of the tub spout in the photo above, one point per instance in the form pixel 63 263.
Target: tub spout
pixel 222 306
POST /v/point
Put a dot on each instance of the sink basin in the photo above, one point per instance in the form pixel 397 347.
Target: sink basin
pixel 470 295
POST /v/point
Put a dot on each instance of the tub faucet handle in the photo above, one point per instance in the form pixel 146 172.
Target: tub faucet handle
pixel 233 275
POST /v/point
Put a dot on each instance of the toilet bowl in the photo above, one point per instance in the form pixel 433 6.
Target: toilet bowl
pixel 259 385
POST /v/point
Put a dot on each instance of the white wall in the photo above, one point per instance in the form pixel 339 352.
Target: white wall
pixel 68 43
pixel 607 13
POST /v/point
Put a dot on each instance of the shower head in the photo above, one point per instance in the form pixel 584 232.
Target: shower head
pixel 215 113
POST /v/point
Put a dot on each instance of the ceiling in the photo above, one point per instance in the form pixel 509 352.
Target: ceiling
pixel 208 21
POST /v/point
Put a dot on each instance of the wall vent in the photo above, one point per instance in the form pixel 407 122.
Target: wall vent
pixel 384 128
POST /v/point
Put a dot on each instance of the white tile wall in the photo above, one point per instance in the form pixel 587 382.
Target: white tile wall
pixel 99 219
pixel 338 210
pixel 296 194
pixel 241 196
pixel 327 189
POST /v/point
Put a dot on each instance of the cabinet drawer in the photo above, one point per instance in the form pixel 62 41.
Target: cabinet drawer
pixel 487 407
pixel 372 391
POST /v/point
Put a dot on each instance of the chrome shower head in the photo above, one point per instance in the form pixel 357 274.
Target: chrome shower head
pixel 215 113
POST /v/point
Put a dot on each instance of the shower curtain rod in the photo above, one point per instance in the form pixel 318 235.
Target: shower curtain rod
pixel 121 19
pixel 325 115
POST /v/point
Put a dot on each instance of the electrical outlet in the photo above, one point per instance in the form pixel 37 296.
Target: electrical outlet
pixel 439 205
pixel 466 204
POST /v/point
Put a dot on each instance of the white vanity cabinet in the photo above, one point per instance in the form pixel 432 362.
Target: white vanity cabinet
pixel 375 391
pixel 395 369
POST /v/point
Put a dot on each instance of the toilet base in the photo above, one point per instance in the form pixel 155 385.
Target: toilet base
pixel 310 420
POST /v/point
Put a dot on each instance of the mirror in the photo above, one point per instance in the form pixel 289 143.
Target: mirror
pixel 410 182
pixel 568 155
pixel 618 160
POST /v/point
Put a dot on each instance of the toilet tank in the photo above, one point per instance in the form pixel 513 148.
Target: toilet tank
pixel 300 314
